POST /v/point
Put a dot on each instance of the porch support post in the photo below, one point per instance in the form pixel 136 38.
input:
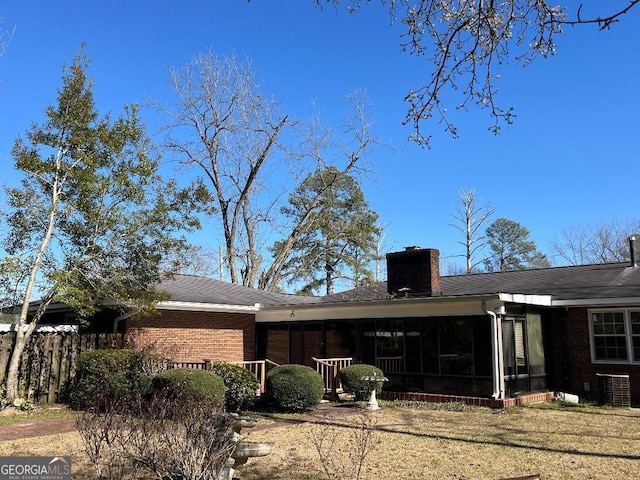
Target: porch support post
pixel 497 361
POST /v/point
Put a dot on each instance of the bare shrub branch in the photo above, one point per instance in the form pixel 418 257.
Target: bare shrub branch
pixel 160 437
pixel 343 455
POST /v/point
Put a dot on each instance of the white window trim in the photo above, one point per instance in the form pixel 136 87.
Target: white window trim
pixel 627 332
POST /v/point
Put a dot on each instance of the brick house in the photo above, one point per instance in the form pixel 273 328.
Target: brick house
pixel 496 335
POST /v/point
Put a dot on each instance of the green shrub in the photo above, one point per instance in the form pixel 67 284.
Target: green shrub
pixel 240 386
pixel 351 380
pixel 104 376
pixel 294 388
pixel 187 386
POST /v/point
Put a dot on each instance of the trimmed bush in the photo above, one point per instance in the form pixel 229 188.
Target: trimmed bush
pixel 350 378
pixel 187 386
pixel 106 376
pixel 240 386
pixel 294 388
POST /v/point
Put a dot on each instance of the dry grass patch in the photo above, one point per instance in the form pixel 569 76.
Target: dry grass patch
pixel 572 443
pixel 419 443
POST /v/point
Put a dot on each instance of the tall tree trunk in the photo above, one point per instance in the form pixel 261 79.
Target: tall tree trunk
pixel 24 329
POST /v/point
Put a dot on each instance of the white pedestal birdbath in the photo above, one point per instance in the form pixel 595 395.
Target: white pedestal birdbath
pixel 374 380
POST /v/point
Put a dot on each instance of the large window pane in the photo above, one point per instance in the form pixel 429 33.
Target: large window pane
pixel 482 346
pixel 609 336
pixel 368 347
pixel 520 349
pixel 390 346
pixel 534 343
pixel 456 346
pixel 412 346
pixel 635 332
pixel 430 348
pixel 340 338
pixel 508 348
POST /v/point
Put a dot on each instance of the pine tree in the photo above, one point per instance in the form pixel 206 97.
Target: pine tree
pixel 340 242
pixel 90 220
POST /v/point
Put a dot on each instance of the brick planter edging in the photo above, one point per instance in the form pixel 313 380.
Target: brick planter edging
pixel 478 401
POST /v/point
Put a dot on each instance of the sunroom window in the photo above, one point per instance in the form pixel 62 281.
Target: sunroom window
pixel 615 335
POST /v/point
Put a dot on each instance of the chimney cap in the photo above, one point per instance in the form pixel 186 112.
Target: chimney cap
pixel 411 248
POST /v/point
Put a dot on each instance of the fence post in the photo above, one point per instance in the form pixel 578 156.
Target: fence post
pixel 207 364
pixel 334 383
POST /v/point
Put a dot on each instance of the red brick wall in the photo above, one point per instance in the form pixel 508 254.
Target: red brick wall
pixel 187 336
pixel 580 369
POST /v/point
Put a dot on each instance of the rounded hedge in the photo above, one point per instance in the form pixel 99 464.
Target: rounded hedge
pixel 294 388
pixel 351 380
pixel 104 376
pixel 188 385
pixel 240 386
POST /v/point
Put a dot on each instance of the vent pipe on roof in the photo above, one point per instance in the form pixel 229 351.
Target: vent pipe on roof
pixel 633 250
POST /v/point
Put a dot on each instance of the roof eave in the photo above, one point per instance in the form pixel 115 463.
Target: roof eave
pixel 207 307
pixel 527 299
pixel 592 302
pixel 388 308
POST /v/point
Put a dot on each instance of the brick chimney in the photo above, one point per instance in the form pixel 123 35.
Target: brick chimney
pixel 414 272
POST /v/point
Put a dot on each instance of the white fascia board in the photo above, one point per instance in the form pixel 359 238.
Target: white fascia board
pixel 541 300
pixel 399 308
pixel 208 307
pixel 593 302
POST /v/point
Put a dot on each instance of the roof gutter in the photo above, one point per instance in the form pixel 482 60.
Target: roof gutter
pixel 589 302
pixel 124 316
pixel 208 307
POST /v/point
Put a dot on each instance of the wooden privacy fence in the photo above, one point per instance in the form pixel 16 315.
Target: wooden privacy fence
pixel 49 360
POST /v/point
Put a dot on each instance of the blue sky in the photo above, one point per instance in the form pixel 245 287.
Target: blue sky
pixel 570 157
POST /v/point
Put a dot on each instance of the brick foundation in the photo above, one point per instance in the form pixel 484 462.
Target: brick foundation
pixel 477 401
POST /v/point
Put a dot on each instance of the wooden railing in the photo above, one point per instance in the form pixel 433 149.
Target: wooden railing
pixel 259 368
pixel 390 364
pixel 328 369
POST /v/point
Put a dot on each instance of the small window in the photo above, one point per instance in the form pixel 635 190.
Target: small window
pixel 635 334
pixel 615 335
pixel 609 337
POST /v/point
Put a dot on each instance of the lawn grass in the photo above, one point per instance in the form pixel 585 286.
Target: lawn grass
pixel 417 441
pixel 473 443
pixel 53 412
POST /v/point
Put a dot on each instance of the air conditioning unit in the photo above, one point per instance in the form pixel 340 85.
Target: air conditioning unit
pixel 614 390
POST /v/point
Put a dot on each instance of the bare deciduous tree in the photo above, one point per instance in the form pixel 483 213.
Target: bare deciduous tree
pixel 467 41
pixel 605 242
pixel 471 217
pixel 227 129
pixel 235 137
pixel 5 36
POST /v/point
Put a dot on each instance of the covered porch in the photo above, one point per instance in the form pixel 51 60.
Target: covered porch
pixel 484 347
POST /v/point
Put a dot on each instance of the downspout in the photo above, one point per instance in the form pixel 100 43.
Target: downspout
pixel 124 316
pixel 496 356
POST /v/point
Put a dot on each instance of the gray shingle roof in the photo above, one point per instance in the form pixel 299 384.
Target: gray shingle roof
pixel 614 280
pixel 188 288
pixel 562 283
